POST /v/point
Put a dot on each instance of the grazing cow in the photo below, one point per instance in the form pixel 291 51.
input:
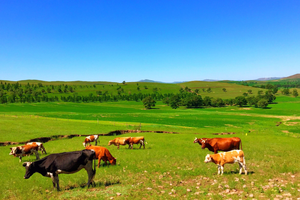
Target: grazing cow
pixel 66 163
pixel 89 139
pixel 137 140
pixel 219 144
pixel 227 157
pixel 21 151
pixel 119 141
pixel 40 145
pixel 102 153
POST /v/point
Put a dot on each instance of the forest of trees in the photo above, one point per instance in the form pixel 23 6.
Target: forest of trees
pixel 30 93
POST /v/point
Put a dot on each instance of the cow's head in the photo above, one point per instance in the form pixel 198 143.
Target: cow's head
pixel 84 144
pixel 113 161
pixel 29 171
pixel 196 140
pixel 13 150
pixel 109 143
pixel 207 159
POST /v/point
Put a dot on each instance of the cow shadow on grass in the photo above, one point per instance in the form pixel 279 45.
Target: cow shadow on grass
pixel 237 172
pixel 93 185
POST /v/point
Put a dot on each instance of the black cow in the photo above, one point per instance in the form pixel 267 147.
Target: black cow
pixel 67 163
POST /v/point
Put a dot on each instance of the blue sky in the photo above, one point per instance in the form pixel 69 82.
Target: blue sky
pixel 159 40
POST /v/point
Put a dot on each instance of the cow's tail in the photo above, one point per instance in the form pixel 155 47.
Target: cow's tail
pixel 241 145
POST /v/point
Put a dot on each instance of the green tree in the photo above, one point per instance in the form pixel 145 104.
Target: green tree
pixel 209 90
pixel 285 91
pixel 149 102
pixel 197 91
pixel 275 90
pixel 240 101
pixel 250 91
pixel 123 82
pixel 217 102
pixel 295 93
pixel 166 100
pixel 187 89
pixel 193 101
pixel 207 101
pixel 263 103
pixel 224 90
pixel 175 101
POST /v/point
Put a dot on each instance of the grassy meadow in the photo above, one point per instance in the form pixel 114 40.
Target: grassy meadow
pixel 171 166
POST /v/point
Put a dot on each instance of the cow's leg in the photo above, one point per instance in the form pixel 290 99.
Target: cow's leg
pixel 95 142
pixel 52 178
pixel 142 143
pixel 241 167
pixel 91 173
pixel 118 146
pixel 99 160
pixel 222 169
pixel 20 158
pixel 56 181
pixel 44 150
pixel 37 155
pixel 244 166
pixel 219 168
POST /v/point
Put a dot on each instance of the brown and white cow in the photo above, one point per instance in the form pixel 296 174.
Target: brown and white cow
pixel 219 144
pixel 21 151
pixel 89 139
pixel 227 157
pixel 102 153
pixel 40 145
pixel 119 141
pixel 137 140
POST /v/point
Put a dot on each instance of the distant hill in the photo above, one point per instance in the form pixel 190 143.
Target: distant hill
pixel 295 76
pixel 268 79
pixel 210 80
pixel 149 81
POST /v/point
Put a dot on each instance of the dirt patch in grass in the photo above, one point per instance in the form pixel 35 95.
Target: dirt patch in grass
pixel 285 131
pixel 291 123
pixel 229 133
pixel 230 125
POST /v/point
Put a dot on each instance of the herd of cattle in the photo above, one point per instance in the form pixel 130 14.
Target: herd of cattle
pixel 71 162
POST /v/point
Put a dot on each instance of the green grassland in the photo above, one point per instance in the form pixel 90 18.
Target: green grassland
pixel 171 166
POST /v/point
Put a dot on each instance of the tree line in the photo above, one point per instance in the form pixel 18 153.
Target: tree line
pixel 30 93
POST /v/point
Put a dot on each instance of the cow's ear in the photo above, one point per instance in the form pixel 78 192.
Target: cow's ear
pixel 10 148
pixel 24 164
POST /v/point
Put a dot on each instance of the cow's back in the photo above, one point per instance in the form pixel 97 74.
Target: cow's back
pixel 99 151
pixel 67 161
pixel 232 156
pixel 27 149
pixel 123 140
pixel 225 144
pixel 135 139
